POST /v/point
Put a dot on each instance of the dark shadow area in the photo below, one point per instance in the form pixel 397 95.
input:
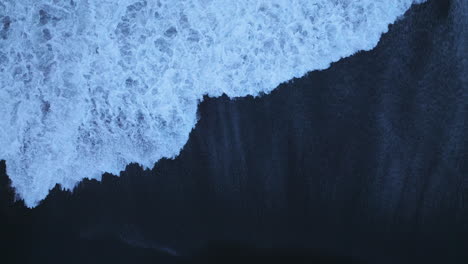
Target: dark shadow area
pixel 231 252
pixel 365 162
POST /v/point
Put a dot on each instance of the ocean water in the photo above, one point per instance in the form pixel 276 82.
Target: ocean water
pixel 366 159
pixel 87 87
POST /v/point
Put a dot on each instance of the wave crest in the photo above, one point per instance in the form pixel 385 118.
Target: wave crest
pixel 89 86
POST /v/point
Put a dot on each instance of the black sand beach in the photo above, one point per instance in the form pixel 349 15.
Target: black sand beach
pixel 365 162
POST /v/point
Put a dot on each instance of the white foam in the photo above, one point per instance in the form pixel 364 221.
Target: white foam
pixel 89 86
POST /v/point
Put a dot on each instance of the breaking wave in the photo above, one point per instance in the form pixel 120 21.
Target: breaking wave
pixel 89 86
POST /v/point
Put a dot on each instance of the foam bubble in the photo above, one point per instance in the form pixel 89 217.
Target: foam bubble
pixel 89 86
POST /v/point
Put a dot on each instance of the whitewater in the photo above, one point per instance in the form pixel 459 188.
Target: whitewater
pixel 87 87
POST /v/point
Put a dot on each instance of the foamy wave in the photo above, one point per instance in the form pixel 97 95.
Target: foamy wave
pixel 89 86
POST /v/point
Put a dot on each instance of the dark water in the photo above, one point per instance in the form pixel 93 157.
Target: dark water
pixel 365 162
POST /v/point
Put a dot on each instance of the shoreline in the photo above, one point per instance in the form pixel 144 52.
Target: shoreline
pixel 364 159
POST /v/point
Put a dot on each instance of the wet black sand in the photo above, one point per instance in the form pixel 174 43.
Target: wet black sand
pixel 367 160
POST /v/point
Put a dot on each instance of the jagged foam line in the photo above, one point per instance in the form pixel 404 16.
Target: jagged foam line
pixel 90 86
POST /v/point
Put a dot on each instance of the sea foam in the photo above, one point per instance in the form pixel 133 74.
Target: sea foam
pixel 89 86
